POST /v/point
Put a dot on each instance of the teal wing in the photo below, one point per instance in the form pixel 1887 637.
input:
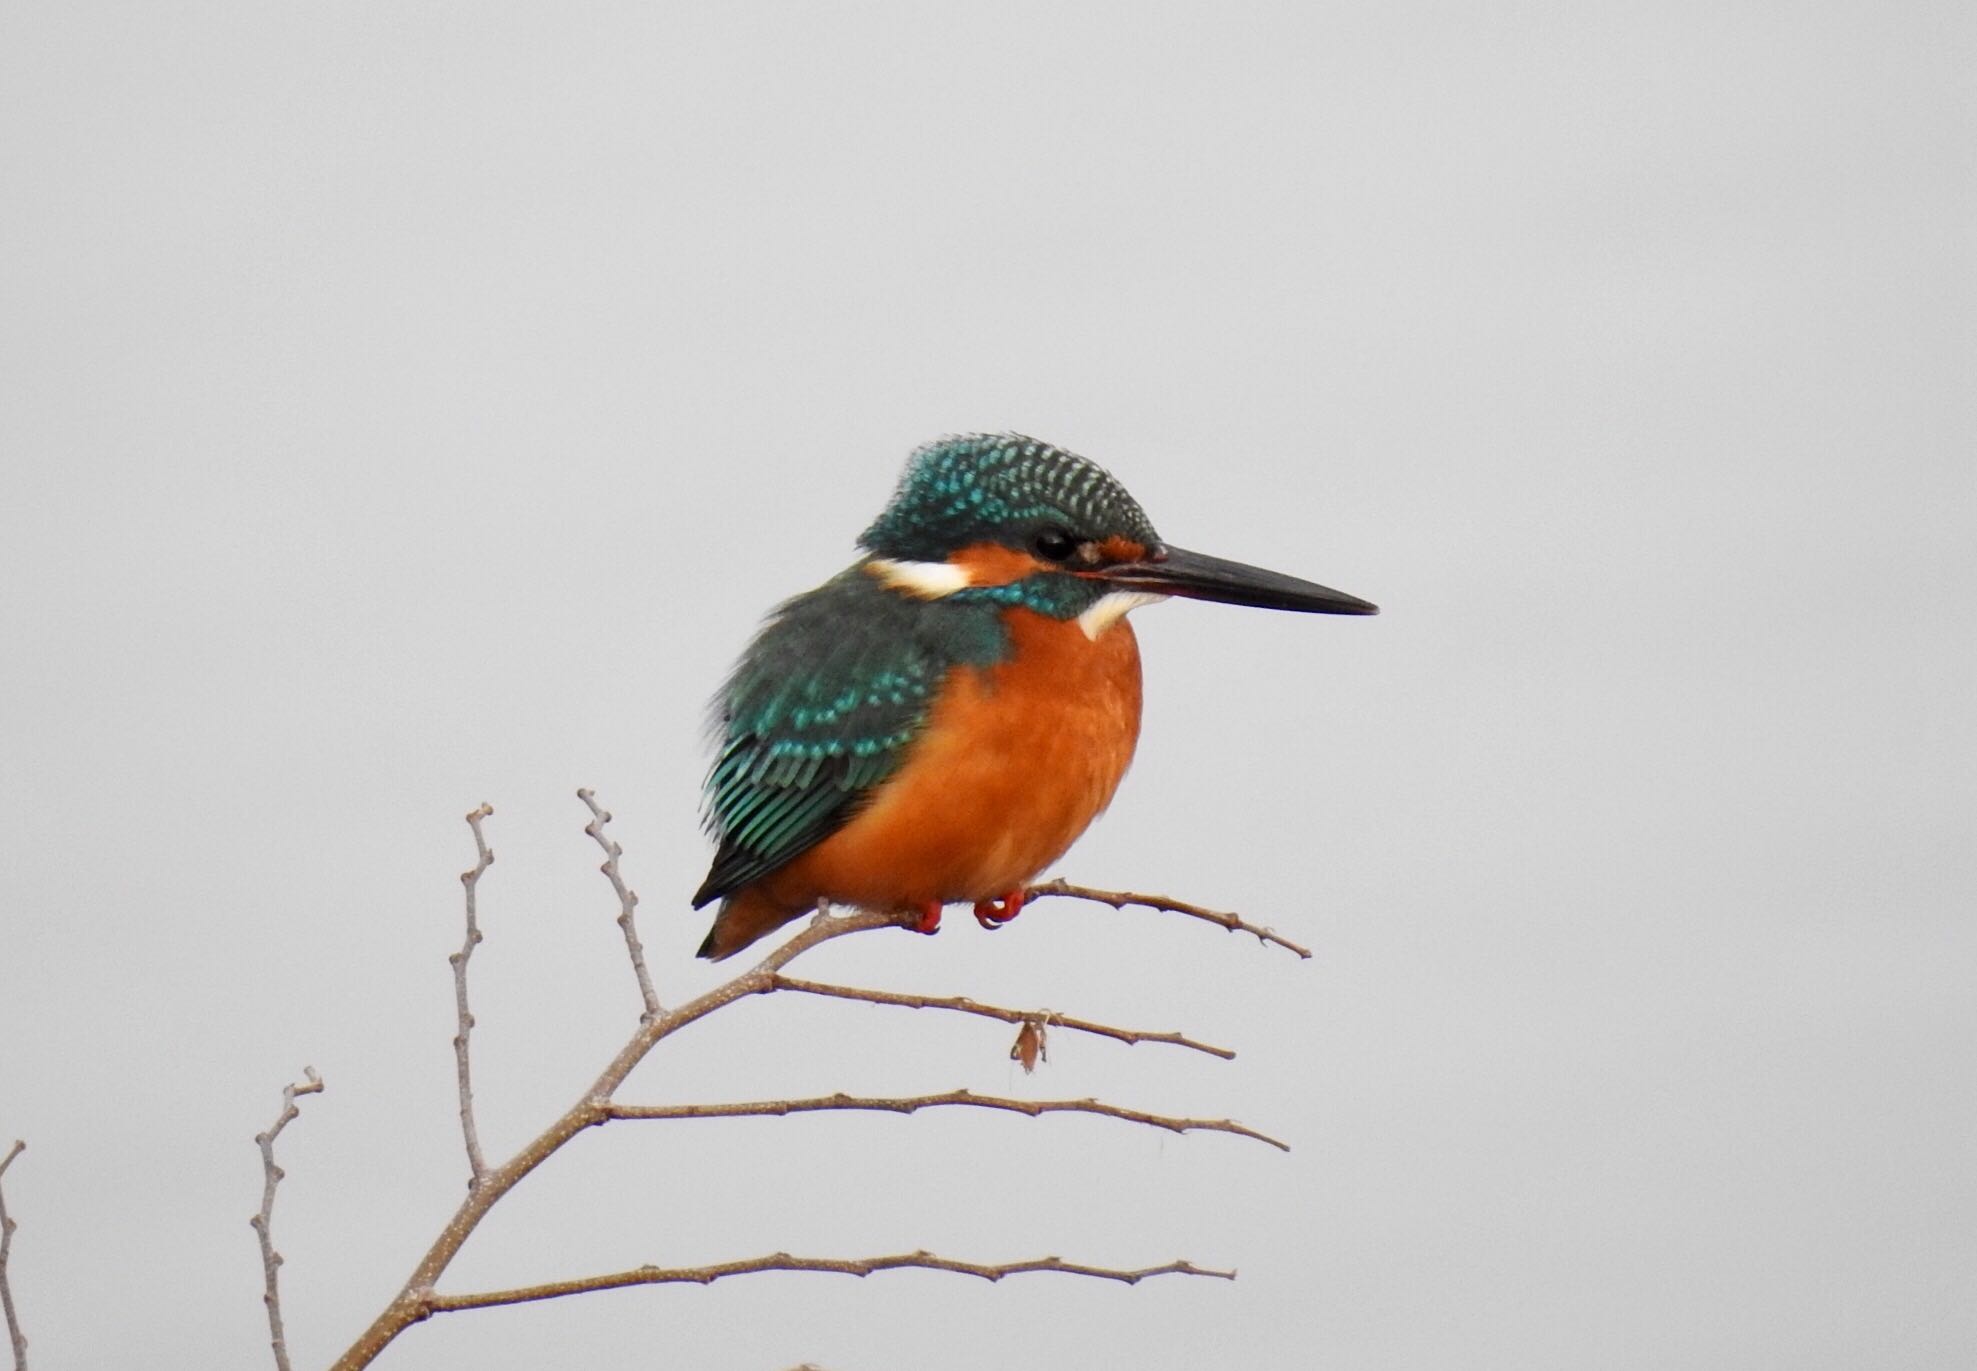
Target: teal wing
pixel 820 711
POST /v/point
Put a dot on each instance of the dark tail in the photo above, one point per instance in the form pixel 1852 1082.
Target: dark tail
pixel 746 917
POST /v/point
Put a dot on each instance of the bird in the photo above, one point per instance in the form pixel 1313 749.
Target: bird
pixel 940 721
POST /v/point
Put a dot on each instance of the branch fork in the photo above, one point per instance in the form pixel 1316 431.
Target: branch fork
pixel 7 1227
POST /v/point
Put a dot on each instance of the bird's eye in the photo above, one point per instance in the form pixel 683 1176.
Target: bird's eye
pixel 1054 545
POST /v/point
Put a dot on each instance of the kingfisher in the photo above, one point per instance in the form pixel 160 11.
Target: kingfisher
pixel 940 721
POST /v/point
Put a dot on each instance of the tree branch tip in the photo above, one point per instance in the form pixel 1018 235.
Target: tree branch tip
pixel 1119 899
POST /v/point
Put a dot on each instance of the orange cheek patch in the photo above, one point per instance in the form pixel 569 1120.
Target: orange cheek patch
pixel 1111 553
pixel 991 564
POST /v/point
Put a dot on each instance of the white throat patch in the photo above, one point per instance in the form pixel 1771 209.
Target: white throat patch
pixel 928 580
pixel 1112 608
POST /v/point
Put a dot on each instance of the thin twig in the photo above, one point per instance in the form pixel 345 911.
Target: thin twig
pixel 271 1177
pixel 7 1226
pixel 627 902
pixel 783 1261
pixel 476 1164
pixel 1119 899
pixel 961 1004
pixel 908 1104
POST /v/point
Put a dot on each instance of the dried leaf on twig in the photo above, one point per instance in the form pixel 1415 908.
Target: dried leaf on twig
pixel 1030 1047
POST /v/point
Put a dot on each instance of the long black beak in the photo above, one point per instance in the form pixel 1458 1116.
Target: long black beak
pixel 1176 571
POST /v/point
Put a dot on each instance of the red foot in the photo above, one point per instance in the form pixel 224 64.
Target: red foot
pixel 993 914
pixel 929 918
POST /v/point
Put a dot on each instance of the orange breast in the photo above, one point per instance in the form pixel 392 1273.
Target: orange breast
pixel 1015 762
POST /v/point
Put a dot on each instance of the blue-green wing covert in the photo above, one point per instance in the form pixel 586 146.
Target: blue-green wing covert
pixel 820 710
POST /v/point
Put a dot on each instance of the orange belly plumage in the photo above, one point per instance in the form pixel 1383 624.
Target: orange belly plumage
pixel 1014 763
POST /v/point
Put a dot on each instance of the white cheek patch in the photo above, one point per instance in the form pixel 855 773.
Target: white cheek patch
pixel 928 580
pixel 1112 608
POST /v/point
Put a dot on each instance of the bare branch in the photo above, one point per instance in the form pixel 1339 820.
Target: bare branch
pixel 7 1226
pixel 476 1164
pixel 411 1303
pixel 912 1103
pixel 271 1177
pixel 1119 899
pixel 418 1299
pixel 627 902
pixel 961 1004
pixel 783 1261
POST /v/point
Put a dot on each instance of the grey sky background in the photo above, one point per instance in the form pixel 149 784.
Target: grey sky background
pixel 414 405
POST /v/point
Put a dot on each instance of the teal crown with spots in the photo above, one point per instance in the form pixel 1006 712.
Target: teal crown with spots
pixel 1000 488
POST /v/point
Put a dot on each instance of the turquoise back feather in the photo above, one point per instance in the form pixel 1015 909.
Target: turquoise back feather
pixel 822 708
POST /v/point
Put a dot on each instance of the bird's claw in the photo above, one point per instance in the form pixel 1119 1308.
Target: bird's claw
pixel 929 918
pixel 993 914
